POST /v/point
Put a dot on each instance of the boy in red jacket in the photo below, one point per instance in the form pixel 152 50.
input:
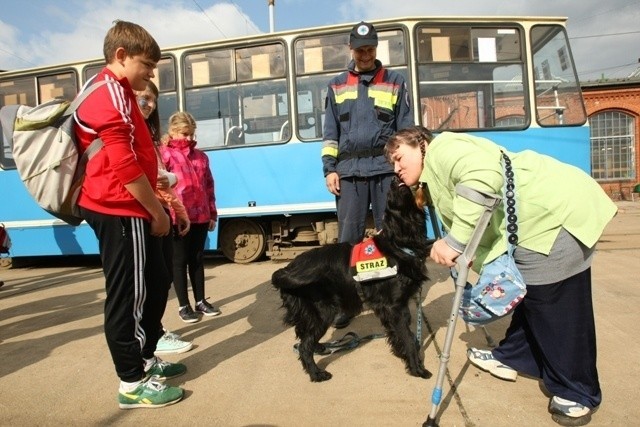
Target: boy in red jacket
pixel 118 202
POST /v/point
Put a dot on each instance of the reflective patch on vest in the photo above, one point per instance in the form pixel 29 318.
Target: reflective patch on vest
pixel 345 93
pixel 385 95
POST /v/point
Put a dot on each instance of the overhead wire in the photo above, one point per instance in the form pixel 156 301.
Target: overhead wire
pixel 247 21
pixel 209 18
pixel 604 35
pixel 618 7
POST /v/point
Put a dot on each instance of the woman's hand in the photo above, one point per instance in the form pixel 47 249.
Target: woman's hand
pixel 443 254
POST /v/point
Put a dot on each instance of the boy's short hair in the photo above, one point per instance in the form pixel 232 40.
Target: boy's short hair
pixel 133 38
pixel 182 121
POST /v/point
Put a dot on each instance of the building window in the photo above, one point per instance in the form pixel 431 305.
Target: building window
pixel 562 56
pixel 511 121
pixel 612 146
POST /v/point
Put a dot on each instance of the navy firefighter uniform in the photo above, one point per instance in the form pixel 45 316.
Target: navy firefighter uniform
pixel 362 111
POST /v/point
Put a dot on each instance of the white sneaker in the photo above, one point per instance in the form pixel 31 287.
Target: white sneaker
pixel 569 413
pixel 171 343
pixel 484 360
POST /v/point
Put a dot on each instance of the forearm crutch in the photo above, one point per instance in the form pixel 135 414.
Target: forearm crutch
pixel 464 261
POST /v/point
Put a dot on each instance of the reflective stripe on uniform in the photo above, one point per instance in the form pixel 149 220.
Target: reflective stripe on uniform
pixel 344 93
pixel 384 95
pixel 330 151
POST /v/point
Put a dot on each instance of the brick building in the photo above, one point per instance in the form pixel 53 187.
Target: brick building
pixel 613 108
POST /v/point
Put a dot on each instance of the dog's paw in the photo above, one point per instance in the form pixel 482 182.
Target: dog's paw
pixel 422 372
pixel 320 376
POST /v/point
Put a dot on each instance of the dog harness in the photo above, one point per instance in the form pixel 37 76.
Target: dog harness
pixel 368 263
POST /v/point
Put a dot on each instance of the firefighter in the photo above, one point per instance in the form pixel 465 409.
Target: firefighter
pixel 365 105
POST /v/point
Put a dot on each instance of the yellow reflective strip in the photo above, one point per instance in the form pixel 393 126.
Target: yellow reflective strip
pixel 330 151
pixel 348 94
pixel 384 99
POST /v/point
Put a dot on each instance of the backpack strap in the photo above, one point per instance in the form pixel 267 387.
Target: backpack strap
pixel 91 151
pixel 82 96
pixel 8 115
pixel 96 144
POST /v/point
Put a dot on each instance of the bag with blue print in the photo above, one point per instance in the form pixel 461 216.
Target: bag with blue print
pixel 500 287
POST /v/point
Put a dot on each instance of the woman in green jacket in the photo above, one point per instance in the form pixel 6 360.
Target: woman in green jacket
pixel 561 213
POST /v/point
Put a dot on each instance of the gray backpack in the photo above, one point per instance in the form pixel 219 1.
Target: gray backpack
pixel 46 152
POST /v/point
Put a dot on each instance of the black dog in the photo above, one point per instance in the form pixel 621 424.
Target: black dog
pixel 319 283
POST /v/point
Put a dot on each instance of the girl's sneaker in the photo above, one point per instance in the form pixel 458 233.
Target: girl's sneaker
pixel 187 314
pixel 171 343
pixel 207 309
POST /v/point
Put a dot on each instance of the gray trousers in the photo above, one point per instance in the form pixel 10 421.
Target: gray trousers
pixel 356 195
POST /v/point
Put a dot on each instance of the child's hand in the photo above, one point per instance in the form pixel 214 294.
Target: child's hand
pixel 160 226
pixel 212 224
pixel 183 226
pixel 166 179
pixel 163 181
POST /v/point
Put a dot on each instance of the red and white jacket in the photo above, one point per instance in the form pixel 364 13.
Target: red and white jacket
pixel 111 113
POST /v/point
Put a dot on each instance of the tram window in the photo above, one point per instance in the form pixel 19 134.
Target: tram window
pixel 471 78
pixel 261 62
pixel 18 91
pixel 167 105
pixel 238 96
pixel 468 44
pixel 312 91
pixel 165 75
pixel 57 86
pixel 328 53
pixel 558 96
pixel 391 48
pixel 14 91
pixel 211 67
pixel 496 45
pixel 215 111
pixel 319 58
pixel 91 70
pixel 444 44
pixel 165 81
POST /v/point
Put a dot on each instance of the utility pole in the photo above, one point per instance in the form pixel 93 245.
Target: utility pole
pixel 272 5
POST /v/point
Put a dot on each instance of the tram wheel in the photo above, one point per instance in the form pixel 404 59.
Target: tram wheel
pixel 242 240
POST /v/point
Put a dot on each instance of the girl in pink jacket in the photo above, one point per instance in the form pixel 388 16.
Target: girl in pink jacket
pixel 195 188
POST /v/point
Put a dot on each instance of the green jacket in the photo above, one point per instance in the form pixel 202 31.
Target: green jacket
pixel 549 195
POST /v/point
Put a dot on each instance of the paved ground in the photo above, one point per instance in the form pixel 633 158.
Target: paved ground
pixel 56 370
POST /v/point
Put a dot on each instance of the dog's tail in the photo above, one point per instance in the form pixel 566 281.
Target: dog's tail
pixel 284 278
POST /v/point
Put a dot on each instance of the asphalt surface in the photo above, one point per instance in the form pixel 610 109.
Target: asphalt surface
pixel 55 368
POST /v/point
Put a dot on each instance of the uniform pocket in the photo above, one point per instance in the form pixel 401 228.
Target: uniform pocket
pixel 344 121
pixel 384 115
